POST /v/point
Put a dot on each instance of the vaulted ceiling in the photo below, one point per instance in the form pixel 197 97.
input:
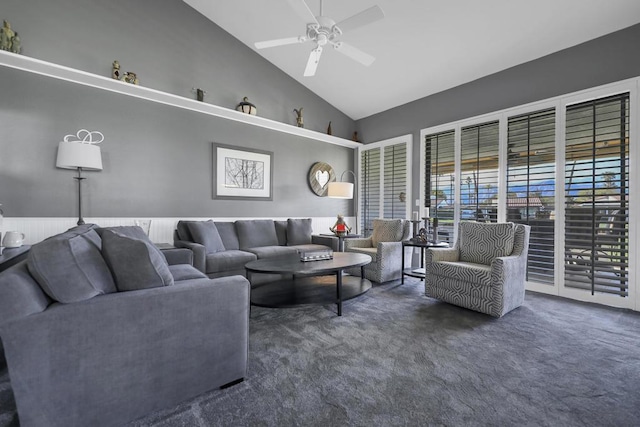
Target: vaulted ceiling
pixel 421 46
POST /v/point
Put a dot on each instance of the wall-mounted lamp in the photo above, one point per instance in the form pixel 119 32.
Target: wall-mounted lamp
pixel 80 152
pixel 345 190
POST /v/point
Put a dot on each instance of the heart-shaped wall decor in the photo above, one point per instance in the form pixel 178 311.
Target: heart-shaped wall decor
pixel 322 177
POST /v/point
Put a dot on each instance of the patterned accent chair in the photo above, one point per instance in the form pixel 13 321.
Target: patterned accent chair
pixel 485 270
pixel 385 248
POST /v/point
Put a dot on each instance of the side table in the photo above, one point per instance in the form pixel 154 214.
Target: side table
pixel 341 239
pixel 418 272
pixel 12 256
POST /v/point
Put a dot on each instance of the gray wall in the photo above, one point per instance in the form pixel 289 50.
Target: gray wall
pixel 604 60
pixel 157 159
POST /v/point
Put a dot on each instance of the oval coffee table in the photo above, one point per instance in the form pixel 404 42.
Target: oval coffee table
pixel 311 282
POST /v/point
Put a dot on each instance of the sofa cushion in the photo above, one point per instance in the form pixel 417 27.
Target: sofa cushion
pixel 272 251
pixel 387 230
pixel 257 232
pixel 182 229
pixel 135 263
pixel 69 266
pixel 228 260
pixel 481 243
pixel 206 234
pixel 185 272
pixel 373 252
pixel 135 232
pixel 299 231
pixel 479 274
pixel 281 232
pixel 227 231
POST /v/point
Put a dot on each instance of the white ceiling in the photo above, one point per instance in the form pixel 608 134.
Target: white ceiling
pixel 421 46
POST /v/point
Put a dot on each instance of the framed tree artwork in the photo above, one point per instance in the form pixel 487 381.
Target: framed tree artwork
pixel 242 173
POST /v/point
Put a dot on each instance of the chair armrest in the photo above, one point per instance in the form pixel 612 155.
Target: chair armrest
pixel 178 256
pixel 432 255
pixel 357 242
pixel 509 268
pixel 442 254
pixel 389 249
pixel 199 253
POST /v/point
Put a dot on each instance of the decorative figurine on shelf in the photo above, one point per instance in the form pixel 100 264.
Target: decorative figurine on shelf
pixel 299 121
pixel 115 71
pixel 16 44
pixel 6 36
pixel 329 130
pixel 126 76
pixel 130 77
pixel 340 228
pixel 199 93
pixel 355 137
pixel 246 107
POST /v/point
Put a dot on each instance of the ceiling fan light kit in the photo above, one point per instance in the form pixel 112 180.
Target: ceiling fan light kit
pixel 323 30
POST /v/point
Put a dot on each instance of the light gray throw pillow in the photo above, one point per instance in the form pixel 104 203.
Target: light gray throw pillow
pixel 206 233
pixel 135 263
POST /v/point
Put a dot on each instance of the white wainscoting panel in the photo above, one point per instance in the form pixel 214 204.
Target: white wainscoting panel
pixel 38 229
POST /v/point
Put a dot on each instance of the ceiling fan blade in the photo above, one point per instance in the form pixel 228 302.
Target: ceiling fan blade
pixel 312 63
pixel 354 53
pixel 303 11
pixel 279 42
pixel 365 17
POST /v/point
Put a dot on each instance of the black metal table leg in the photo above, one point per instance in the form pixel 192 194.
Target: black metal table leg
pixel 339 290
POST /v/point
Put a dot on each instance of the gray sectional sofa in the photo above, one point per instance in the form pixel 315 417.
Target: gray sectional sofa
pixel 98 329
pixel 223 248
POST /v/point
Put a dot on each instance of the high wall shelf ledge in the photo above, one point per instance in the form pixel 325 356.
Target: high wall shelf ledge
pixel 60 72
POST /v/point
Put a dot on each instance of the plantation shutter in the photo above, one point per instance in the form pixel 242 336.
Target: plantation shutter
pixel 370 186
pixel 439 174
pixel 596 196
pixel 479 172
pixel 531 187
pixel 395 181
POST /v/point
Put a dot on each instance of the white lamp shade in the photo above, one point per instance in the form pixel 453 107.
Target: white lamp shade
pixel 73 155
pixel 340 190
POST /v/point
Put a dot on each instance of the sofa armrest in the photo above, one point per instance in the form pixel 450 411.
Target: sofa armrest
pixel 329 241
pixel 357 242
pixel 178 256
pixel 199 253
pixel 102 359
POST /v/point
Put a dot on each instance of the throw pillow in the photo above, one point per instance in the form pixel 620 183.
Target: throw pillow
pixel 255 233
pixel 299 231
pixel 69 267
pixel 386 230
pixel 135 263
pixel 481 243
pixel 206 233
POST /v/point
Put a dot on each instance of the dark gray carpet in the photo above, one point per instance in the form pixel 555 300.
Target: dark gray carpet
pixel 398 358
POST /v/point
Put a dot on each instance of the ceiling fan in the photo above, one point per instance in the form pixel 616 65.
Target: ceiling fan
pixel 323 30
